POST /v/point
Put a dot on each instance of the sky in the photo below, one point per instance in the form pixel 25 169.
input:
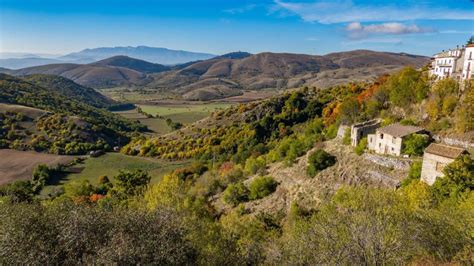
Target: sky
pixel 220 26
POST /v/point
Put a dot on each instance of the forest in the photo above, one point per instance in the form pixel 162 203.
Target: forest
pixel 124 219
pixel 69 126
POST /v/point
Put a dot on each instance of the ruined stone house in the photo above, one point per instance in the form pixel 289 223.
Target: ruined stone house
pixel 435 159
pixel 389 139
pixel 361 130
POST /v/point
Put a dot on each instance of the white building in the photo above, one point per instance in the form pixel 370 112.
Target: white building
pixel 468 66
pixel 448 63
pixel 389 140
pixel 457 63
pixel 435 159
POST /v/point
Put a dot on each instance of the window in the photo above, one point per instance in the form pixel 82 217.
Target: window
pixel 381 136
pixel 394 140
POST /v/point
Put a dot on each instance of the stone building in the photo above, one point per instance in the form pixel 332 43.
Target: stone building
pixel 361 130
pixel 389 140
pixel 435 158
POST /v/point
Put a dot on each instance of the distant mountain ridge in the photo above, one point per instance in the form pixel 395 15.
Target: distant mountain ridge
pixel 230 74
pixel 156 55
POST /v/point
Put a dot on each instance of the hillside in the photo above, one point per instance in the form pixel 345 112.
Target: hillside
pixel 225 77
pixel 61 124
pixel 70 89
pixel 95 76
pixel 151 54
pixel 131 63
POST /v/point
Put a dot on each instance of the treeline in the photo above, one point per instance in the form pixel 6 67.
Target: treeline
pixel 130 221
pixel 73 127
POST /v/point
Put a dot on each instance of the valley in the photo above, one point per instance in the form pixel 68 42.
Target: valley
pixel 254 163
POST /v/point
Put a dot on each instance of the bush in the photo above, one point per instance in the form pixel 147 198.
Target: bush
pixel 318 161
pixel 413 174
pixel 235 194
pixel 262 187
pixel 132 182
pixel 360 148
pixel 346 140
pixel 415 144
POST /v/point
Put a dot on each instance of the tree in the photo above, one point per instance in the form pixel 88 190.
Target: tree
pixel 18 191
pixel 415 144
pixel 361 146
pixel 235 194
pixel 318 161
pixel 132 182
pixel 413 174
pixel 458 179
pixel 261 187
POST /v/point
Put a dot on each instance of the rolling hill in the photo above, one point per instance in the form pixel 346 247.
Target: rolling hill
pixel 220 77
pixel 230 74
pixel 65 125
pixel 132 63
pixel 70 89
pixel 95 76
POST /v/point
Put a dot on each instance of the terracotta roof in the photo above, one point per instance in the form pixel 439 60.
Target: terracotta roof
pixel 399 130
pixel 445 150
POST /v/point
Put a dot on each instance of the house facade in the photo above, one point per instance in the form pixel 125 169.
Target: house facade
pixel 448 64
pixel 361 130
pixel 468 67
pixel 389 140
pixel 435 159
pixel 456 63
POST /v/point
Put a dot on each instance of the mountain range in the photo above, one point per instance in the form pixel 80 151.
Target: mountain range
pixel 231 74
pixel 151 54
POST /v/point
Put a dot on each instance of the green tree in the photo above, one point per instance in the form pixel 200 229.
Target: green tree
pixel 235 194
pixel 361 146
pixel 415 144
pixel 261 187
pixel 131 182
pixel 318 161
pixel 458 179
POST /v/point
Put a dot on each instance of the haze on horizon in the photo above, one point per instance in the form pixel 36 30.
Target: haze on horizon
pixel 218 27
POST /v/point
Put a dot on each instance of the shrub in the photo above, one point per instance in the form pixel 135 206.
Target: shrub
pixel 235 194
pixel 415 144
pixel 262 187
pixel 346 140
pixel 132 182
pixel 318 161
pixel 413 174
pixel 360 148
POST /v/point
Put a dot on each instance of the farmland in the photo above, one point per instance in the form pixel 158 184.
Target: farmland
pixel 19 165
pixel 186 113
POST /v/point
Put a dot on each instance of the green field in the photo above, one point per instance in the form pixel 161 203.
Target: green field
pixel 157 125
pixel 185 113
pixel 110 164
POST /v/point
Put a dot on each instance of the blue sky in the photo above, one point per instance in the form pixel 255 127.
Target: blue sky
pixel 296 26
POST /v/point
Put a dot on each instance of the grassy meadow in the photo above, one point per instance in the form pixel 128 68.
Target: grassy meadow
pixel 111 163
pixel 184 113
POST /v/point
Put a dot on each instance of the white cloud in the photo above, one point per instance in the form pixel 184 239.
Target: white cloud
pixel 240 10
pixel 343 11
pixel 394 41
pixel 356 30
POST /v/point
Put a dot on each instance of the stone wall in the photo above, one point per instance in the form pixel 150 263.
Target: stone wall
pixel 429 173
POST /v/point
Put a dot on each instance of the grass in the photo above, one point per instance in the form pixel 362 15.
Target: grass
pixel 110 164
pixel 185 113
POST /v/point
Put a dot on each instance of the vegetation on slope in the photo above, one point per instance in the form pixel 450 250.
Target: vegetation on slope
pixel 69 127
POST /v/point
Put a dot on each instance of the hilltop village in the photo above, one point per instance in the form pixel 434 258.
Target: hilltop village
pixel 390 140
